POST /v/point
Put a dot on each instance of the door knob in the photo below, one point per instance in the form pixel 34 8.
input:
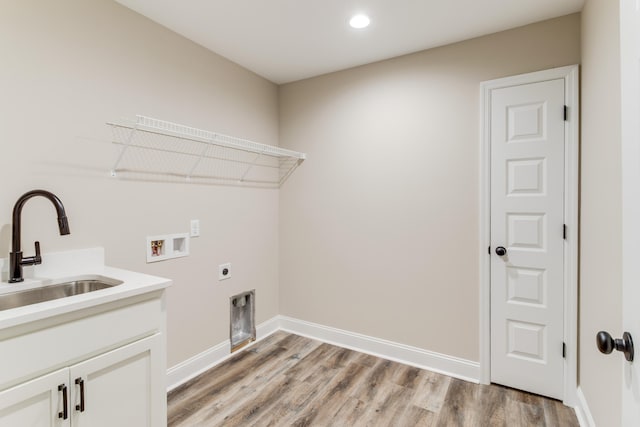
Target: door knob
pixel 501 251
pixel 606 344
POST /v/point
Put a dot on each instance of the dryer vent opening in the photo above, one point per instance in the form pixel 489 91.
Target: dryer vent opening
pixel 243 326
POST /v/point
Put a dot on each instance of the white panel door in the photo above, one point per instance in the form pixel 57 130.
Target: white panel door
pixel 527 211
pixel 630 79
pixel 37 403
pixel 115 388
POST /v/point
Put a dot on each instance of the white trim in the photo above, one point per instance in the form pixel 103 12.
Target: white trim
pixel 585 419
pixel 570 75
pixel 448 365
pixel 571 243
pixel 196 365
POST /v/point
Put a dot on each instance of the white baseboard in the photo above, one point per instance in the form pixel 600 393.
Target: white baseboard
pixel 585 419
pixel 436 362
pixel 432 361
pixel 194 366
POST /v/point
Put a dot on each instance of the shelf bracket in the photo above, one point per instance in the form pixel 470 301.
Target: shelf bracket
pixel 255 160
pixel 124 149
pixel 197 162
pixel 290 171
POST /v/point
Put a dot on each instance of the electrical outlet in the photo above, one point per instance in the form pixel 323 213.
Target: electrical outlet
pixel 195 228
pixel 224 271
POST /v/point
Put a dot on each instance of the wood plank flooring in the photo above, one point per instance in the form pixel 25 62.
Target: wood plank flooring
pixel 289 380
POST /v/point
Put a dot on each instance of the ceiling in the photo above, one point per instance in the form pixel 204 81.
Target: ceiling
pixel 288 40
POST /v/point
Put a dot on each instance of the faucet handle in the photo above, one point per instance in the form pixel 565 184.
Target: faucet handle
pixel 37 258
pixel 30 260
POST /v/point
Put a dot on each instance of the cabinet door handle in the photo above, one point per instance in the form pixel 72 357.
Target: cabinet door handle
pixel 80 382
pixel 65 402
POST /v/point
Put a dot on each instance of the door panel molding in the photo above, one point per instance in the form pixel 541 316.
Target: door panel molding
pixel 570 74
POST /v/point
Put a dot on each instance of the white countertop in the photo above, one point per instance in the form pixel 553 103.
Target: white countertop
pixel 65 266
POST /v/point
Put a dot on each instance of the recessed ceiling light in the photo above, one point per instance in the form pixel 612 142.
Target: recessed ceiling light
pixel 359 21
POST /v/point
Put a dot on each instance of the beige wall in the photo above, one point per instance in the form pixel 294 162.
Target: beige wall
pixel 601 207
pixel 68 67
pixel 379 228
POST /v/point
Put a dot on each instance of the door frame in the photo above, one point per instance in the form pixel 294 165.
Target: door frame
pixel 570 74
pixel 629 14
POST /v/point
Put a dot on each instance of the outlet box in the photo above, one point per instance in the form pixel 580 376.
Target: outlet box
pixel 243 324
pixel 168 246
pixel 224 271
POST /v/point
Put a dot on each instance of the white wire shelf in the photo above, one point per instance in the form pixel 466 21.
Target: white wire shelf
pixel 152 149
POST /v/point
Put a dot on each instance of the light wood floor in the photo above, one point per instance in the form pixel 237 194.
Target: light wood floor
pixel 288 380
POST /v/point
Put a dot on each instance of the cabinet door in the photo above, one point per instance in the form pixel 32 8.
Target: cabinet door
pixel 120 388
pixel 37 403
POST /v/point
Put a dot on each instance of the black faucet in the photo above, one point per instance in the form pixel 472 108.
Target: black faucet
pixel 16 260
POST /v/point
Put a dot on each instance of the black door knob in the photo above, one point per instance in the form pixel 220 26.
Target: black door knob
pixel 501 251
pixel 606 344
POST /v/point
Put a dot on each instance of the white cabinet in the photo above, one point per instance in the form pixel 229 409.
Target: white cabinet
pixel 113 389
pixel 103 366
pixel 35 403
